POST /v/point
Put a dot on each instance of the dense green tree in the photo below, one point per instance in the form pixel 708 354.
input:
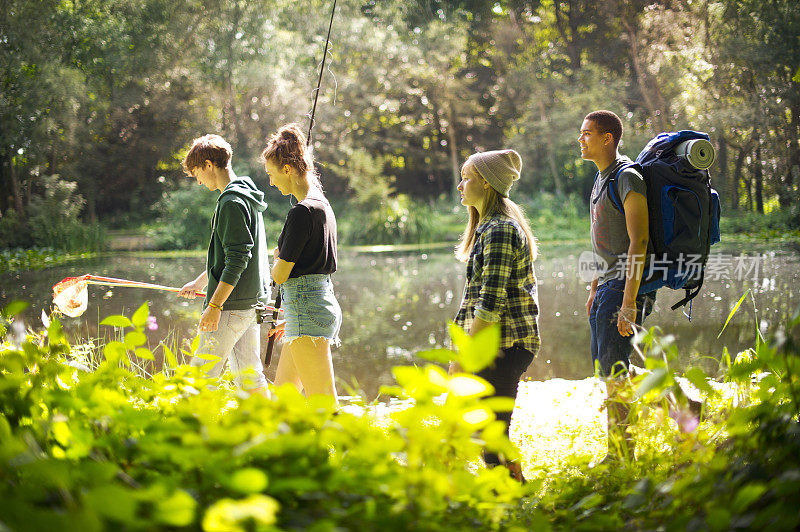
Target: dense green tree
pixel 107 94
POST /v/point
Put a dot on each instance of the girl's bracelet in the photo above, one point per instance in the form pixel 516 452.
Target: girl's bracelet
pixel 214 305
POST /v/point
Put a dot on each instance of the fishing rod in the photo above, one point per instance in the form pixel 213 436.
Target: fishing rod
pixel 276 308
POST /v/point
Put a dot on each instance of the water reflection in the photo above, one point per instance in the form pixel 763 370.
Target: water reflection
pixel 397 304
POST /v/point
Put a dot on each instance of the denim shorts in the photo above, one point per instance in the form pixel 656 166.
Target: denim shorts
pixel 310 308
pixel 236 341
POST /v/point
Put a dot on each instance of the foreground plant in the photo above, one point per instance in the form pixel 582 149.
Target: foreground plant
pixel 733 465
pixel 113 448
pixel 108 448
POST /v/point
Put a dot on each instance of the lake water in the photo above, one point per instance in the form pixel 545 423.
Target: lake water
pixel 396 304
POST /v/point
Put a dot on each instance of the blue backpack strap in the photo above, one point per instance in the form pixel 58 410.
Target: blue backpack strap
pixel 613 188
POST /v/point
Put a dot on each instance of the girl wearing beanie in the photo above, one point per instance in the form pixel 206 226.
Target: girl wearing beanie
pixel 499 250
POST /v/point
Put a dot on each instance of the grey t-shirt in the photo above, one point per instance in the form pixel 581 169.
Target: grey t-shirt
pixel 608 228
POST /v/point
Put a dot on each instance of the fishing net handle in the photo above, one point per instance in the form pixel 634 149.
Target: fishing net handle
pixel 111 281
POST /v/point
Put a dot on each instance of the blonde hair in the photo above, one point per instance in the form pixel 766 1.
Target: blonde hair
pixel 493 203
pixel 288 146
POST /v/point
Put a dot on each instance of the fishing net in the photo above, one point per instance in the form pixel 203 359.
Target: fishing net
pixel 71 296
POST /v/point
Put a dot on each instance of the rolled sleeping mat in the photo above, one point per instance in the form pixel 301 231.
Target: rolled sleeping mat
pixel 698 152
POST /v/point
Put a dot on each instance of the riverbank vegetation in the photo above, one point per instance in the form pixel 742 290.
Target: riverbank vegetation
pixel 374 217
pixel 89 443
pixel 105 96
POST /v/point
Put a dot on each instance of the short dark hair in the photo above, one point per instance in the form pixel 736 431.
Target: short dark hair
pixel 208 148
pixel 607 122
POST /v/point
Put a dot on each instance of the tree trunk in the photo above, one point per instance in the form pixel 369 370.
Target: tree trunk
pixel 16 193
pixel 53 157
pixel 451 141
pixel 91 207
pixel 234 121
pixel 551 156
pixel 785 195
pixel 572 52
pixel 723 179
pixel 650 100
pixel 759 180
pixel 737 178
pixel 5 196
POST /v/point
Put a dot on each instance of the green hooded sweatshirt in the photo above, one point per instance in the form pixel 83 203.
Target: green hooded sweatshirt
pixel 237 253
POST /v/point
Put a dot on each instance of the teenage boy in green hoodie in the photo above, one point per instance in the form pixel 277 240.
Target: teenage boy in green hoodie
pixel 237 267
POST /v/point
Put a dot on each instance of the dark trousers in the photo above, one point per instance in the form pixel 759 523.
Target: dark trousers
pixel 610 349
pixel 504 375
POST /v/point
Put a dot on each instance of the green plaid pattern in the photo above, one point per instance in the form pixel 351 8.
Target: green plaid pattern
pixel 501 285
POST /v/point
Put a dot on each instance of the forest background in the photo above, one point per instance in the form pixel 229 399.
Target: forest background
pixel 101 98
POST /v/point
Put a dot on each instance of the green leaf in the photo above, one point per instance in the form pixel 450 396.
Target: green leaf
pixel 408 376
pixel 743 371
pixel 14 308
pixel 796 77
pixel 468 386
pixel 170 357
pixel 458 336
pixel 393 391
pixel 139 317
pixel 208 366
pixel 476 352
pixel 477 416
pixel 143 352
pixel 733 311
pixel 485 347
pixel 230 515
pixel 499 404
pixel 55 333
pixel 654 380
pixel 12 363
pixel 112 502
pixel 176 510
pixel 248 480
pixel 114 351
pixel 590 501
pixel 134 339
pixel 699 379
pixel 116 321
pixel 295 485
pixel 437 355
pixel 718 519
pixel 195 344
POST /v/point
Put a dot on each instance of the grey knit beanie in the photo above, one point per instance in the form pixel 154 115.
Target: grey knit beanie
pixel 500 168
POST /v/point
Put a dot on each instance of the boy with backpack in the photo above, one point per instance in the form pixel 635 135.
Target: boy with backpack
pixel 614 302
pixel 620 244
pixel 652 225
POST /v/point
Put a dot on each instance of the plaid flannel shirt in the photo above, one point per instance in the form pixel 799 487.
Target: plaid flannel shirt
pixel 501 285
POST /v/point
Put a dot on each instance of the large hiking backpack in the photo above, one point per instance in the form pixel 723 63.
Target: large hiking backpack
pixel 684 215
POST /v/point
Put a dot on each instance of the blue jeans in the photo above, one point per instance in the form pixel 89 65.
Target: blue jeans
pixel 610 349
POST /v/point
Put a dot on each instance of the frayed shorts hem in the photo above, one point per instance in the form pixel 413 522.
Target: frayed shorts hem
pixel 336 342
